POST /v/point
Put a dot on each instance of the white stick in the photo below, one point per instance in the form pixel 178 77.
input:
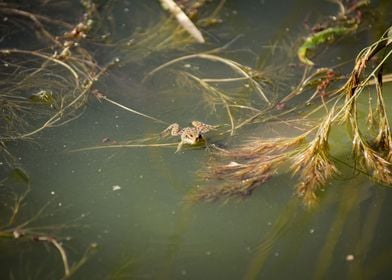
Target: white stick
pixel 183 19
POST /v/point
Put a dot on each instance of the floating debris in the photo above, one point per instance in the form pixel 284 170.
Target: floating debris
pixel 349 257
pixel 183 19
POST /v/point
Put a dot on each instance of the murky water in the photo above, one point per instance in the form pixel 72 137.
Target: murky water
pixel 128 202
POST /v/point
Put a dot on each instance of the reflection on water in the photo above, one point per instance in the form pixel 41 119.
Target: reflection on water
pixel 127 202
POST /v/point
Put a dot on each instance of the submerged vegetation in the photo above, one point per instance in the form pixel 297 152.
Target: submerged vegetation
pixel 46 87
pixel 15 189
pixel 43 89
pixel 249 166
pixel 47 79
pixel 50 82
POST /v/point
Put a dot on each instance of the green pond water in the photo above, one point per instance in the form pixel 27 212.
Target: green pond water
pixel 128 202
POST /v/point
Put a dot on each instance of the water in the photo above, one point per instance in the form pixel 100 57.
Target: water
pixel 128 202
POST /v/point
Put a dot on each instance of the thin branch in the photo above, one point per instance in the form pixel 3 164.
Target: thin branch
pixel 183 19
pixel 60 248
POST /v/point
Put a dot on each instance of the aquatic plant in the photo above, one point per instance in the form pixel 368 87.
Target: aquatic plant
pixel 344 23
pixel 167 34
pixel 19 228
pixel 258 160
pixel 320 37
pixel 44 84
pixel 250 79
pixel 49 86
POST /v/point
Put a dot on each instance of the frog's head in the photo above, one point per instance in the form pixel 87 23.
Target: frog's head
pixel 190 136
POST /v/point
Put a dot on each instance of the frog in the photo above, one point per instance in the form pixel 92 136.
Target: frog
pixel 189 135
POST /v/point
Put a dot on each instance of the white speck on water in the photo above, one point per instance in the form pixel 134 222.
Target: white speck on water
pixel 173 212
pixel 183 272
pixel 208 253
pixel 64 146
pixel 60 204
pixel 311 231
pixel 350 257
pixel 187 65
pixel 141 176
pixel 99 170
pixel 116 188
pixel 126 10
pixel 276 254
pixel 52 193
pixel 269 224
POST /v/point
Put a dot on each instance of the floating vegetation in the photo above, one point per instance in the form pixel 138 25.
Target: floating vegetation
pixel 258 160
pixel 168 33
pixel 346 22
pixel 251 80
pixel 49 86
pixel 319 38
pixel 51 68
pixel 45 83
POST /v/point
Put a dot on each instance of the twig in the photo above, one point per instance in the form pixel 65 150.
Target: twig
pixel 183 19
pixel 124 146
pixel 60 248
pixel 101 96
pixel 33 18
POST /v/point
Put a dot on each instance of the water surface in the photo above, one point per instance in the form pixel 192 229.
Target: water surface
pixel 129 201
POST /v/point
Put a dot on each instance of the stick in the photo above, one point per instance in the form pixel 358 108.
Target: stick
pixel 183 19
